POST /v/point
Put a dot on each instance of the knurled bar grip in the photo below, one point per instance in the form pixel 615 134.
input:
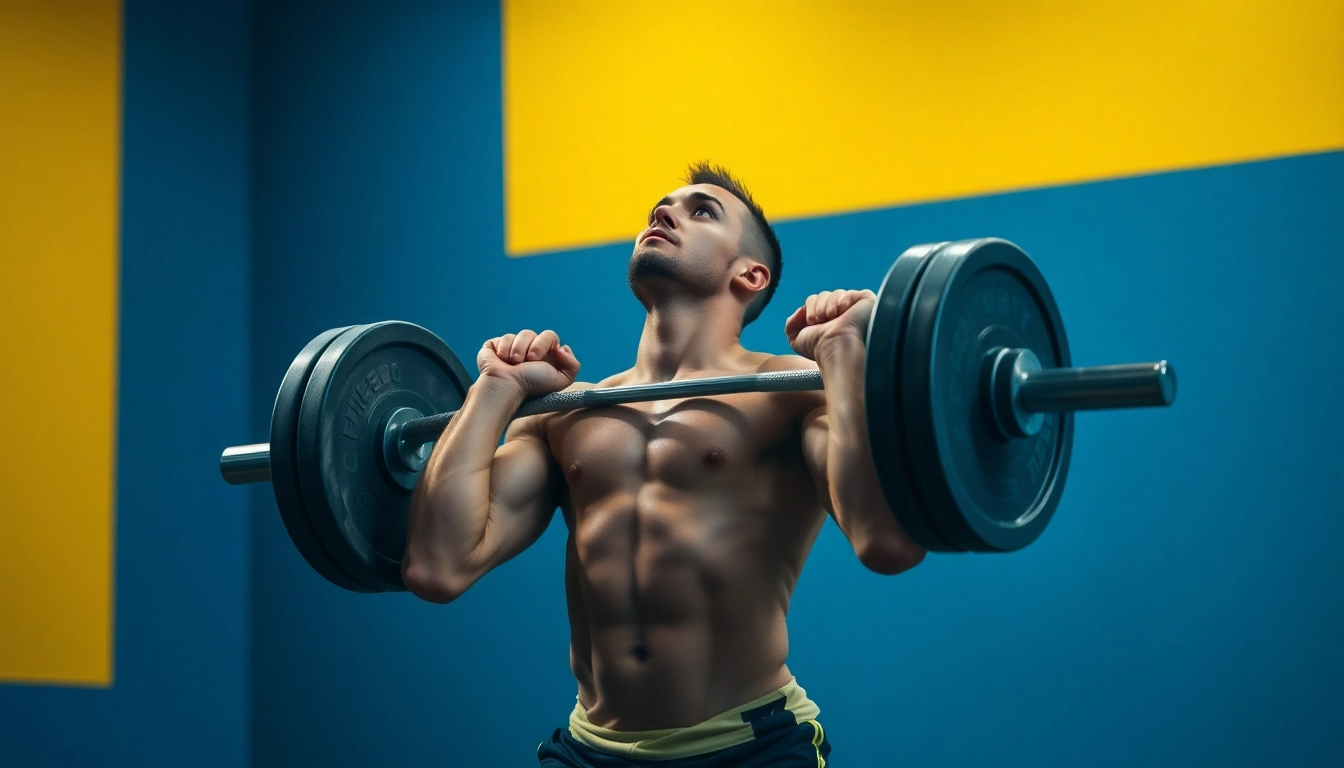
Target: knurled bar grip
pixel 428 429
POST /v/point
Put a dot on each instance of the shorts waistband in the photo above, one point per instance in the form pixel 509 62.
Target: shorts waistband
pixel 728 729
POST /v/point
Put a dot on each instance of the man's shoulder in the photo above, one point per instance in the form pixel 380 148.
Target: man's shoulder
pixel 799 404
pixel 772 363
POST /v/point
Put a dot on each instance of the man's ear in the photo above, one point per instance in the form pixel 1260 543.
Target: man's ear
pixel 752 275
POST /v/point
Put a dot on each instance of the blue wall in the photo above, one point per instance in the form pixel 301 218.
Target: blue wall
pixel 180 679
pixel 294 166
pixel 1186 607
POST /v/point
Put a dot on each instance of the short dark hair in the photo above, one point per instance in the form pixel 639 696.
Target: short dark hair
pixel 762 243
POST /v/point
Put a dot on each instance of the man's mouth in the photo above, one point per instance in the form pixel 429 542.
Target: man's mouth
pixel 659 234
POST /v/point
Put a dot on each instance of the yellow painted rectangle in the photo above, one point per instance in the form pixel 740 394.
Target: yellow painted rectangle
pixel 60 81
pixel 826 106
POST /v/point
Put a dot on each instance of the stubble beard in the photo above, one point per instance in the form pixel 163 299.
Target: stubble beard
pixel 651 272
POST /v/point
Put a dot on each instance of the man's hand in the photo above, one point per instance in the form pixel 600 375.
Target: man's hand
pixel 534 362
pixel 829 315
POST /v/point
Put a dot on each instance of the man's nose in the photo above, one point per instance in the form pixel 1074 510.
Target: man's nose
pixel 662 216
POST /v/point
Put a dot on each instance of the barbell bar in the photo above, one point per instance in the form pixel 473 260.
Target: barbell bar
pixel 1104 387
pixel 969 398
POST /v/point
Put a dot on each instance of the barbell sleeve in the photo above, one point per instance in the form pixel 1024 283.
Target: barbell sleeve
pixel 1135 385
pixel 241 464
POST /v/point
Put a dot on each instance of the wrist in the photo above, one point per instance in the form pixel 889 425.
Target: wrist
pixel 499 390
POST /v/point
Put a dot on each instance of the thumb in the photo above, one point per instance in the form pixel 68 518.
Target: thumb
pixel 796 322
pixel 566 357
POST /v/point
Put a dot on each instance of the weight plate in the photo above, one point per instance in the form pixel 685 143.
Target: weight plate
pixel 356 507
pixel 886 430
pixel 981 491
pixel 284 464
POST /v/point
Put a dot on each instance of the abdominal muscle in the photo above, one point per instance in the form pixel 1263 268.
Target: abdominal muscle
pixel 678 584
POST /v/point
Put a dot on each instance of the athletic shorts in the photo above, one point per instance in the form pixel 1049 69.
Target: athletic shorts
pixel 778 730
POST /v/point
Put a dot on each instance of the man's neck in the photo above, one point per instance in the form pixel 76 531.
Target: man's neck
pixel 687 337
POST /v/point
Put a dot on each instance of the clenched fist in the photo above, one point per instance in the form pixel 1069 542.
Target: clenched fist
pixel 535 362
pixel 826 315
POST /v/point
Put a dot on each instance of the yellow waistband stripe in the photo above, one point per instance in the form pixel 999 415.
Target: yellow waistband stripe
pixel 818 736
pixel 719 732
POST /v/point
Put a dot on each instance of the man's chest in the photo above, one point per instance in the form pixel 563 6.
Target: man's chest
pixel 700 443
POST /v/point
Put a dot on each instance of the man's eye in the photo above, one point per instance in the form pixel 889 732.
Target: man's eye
pixel 705 209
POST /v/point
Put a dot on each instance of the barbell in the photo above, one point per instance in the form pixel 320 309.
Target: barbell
pixel 968 389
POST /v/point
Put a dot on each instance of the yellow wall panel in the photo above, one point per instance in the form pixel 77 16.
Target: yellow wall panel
pixel 826 106
pixel 60 70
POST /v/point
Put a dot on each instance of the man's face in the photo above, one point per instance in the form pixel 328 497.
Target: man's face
pixel 692 241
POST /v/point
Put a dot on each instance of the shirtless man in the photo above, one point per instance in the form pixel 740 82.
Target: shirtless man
pixel 689 520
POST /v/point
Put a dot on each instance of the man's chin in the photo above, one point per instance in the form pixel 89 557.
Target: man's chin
pixel 651 264
pixel 662 250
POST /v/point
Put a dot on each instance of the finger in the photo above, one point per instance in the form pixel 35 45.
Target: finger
pixel 841 302
pixel 825 302
pixel 486 356
pixel 502 346
pixel 832 308
pixel 523 340
pixel 815 303
pixel 562 359
pixel 847 300
pixel 569 363
pixel 543 345
pixel 805 342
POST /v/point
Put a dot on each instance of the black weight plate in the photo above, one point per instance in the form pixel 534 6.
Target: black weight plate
pixel 982 492
pixel 882 402
pixel 284 463
pixel 355 506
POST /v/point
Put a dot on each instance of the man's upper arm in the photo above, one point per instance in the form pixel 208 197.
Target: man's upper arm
pixel 524 491
pixel 815 425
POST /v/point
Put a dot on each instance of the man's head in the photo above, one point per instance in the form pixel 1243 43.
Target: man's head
pixel 707 237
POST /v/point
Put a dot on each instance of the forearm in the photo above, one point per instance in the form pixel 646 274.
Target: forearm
pixel 857 500
pixel 450 507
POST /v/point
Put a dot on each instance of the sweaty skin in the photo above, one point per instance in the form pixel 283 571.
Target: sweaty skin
pixel 689 520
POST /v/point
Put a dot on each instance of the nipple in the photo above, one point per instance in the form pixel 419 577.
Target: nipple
pixel 715 458
pixel 574 472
